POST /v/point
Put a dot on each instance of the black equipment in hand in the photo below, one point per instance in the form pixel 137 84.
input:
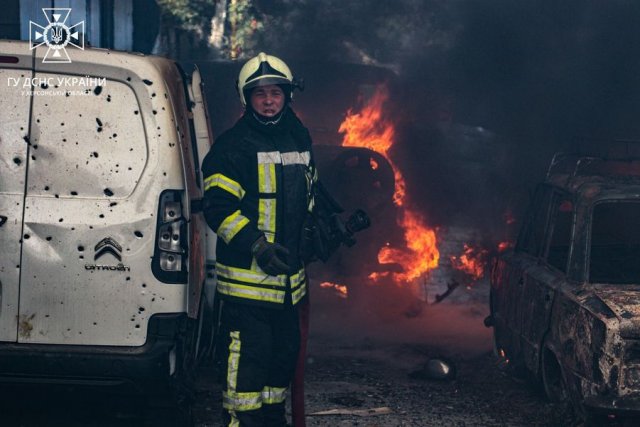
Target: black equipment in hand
pixel 270 256
pixel 325 231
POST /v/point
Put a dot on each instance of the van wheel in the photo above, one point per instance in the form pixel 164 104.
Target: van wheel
pixel 552 379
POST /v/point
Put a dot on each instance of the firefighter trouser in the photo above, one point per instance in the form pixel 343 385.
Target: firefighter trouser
pixel 259 349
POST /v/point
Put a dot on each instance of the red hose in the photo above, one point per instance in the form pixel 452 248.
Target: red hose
pixel 297 385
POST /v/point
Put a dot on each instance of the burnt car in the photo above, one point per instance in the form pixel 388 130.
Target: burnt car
pixel 565 302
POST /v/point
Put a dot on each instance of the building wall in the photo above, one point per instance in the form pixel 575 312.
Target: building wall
pixel 9 20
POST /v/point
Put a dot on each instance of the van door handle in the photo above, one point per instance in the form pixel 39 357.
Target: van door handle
pixel 3 219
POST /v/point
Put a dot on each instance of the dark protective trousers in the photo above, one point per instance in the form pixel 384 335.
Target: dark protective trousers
pixel 258 354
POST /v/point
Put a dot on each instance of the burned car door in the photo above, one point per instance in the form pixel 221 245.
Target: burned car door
pixel 14 151
pixel 510 275
pixel 542 280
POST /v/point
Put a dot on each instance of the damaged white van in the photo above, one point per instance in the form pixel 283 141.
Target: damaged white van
pixel 102 254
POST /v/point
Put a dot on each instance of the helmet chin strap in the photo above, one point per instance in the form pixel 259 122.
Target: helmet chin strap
pixel 268 121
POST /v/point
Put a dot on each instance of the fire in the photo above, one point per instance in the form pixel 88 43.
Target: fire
pixel 342 289
pixel 370 129
pixel 472 262
pixel 503 246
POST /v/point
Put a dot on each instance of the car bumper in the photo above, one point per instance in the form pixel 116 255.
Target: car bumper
pixel 142 368
pixel 627 405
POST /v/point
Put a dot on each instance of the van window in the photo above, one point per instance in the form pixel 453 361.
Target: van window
pixel 615 243
pixel 88 141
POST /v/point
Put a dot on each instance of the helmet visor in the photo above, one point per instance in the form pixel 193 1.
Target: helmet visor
pixel 266 81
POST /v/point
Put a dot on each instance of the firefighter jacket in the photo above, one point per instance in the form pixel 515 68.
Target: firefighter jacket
pixel 258 180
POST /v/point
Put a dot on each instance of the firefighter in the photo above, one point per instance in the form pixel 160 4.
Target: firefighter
pixel 259 177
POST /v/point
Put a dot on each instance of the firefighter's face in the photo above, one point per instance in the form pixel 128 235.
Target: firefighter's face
pixel 267 100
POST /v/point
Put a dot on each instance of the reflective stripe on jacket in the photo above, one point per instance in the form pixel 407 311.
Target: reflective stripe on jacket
pixel 258 182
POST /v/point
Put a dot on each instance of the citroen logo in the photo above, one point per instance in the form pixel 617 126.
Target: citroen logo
pixel 108 246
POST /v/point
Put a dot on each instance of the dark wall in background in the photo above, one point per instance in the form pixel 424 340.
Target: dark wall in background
pixel 10 20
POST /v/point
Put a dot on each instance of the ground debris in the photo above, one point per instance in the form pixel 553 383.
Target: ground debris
pixel 348 401
pixel 439 369
pixel 383 410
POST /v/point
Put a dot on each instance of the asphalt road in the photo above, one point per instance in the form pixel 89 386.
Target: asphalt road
pixel 367 361
pixel 365 356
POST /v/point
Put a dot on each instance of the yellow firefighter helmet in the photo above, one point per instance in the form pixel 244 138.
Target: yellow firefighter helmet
pixel 264 70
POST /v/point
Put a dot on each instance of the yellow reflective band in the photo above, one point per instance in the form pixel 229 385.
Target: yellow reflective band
pixel 272 395
pixel 266 178
pixel 247 401
pixel 250 292
pixel 267 216
pixel 250 276
pixel 219 180
pixel 298 294
pixel 233 362
pixel 235 422
pixel 298 278
pixel 231 226
pixel 295 158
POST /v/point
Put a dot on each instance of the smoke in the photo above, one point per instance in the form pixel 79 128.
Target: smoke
pixel 483 94
pixel 482 118
pixel 391 315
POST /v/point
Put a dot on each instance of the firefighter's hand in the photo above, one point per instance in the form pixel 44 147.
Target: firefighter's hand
pixel 270 256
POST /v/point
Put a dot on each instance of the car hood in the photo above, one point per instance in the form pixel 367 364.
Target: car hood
pixel 623 300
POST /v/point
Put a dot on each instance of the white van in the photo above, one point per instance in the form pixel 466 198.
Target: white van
pixel 102 254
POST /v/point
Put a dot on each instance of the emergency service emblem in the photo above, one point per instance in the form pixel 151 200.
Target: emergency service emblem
pixel 57 35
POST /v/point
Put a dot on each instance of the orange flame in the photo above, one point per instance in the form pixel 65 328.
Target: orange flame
pixel 342 289
pixel 370 129
pixel 472 262
pixel 503 246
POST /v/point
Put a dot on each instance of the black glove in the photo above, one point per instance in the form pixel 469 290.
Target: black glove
pixel 270 256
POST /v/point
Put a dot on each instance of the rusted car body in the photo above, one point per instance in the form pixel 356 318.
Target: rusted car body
pixel 565 303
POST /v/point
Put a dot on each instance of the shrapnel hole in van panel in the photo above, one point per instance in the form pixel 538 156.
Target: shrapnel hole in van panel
pixel 95 145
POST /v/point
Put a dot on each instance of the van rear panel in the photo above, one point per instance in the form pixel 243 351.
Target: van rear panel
pixel 87 155
pixel 83 198
pixel 13 158
pixel 101 257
